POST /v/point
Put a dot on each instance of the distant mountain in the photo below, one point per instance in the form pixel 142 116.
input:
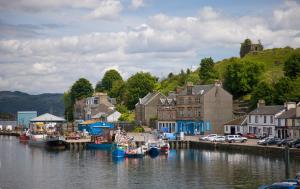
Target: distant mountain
pixel 11 102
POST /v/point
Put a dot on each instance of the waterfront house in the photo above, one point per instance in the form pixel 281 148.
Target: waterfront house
pixel 146 108
pixel 288 123
pixel 199 109
pixel 261 121
pixel 24 117
pixel 166 114
pixel 236 126
pixel 86 108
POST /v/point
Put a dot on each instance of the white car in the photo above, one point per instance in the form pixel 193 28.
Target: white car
pixel 219 139
pixel 208 137
pixel 235 138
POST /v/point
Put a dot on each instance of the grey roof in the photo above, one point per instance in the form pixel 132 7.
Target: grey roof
pixel 146 99
pixel 197 89
pixel 267 110
pixel 289 114
pixel 47 118
pixel 237 121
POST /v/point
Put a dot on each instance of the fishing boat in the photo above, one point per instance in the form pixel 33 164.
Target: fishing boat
pixel 118 151
pixel 38 140
pixel 55 142
pixel 165 148
pixel 24 137
pixel 154 149
pixel 134 152
pixel 100 142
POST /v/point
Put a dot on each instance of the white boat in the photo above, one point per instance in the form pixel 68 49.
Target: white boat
pixel 37 140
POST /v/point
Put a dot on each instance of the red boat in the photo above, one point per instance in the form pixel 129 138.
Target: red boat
pixel 164 148
pixel 24 137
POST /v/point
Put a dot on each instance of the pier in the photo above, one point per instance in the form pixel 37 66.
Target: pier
pixel 77 144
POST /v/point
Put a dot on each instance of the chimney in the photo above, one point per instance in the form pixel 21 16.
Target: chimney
pixel 261 103
pixel 298 110
pixel 189 88
pixel 178 90
pixel 218 83
pixel 289 105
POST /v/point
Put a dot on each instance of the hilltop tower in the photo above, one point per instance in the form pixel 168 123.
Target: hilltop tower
pixel 247 47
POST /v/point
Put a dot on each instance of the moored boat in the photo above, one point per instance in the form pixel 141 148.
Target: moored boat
pixel 55 142
pixel 38 140
pixel 119 151
pixel 24 137
pixel 153 149
pixel 134 152
pixel 100 142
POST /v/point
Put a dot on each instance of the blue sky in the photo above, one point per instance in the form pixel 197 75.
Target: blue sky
pixel 45 46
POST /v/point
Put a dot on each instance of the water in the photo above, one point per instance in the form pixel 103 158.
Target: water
pixel 25 167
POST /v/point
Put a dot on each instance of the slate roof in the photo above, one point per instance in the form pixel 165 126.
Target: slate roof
pixel 197 89
pixel 146 99
pixel 238 121
pixel 290 114
pixel 47 117
pixel 267 110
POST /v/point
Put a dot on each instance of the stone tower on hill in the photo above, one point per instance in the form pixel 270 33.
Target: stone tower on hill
pixel 247 47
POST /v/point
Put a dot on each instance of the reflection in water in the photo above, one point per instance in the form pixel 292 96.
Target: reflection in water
pixel 22 166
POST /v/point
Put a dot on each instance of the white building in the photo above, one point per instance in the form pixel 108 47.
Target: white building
pixel 236 126
pixel 261 121
pixel 112 116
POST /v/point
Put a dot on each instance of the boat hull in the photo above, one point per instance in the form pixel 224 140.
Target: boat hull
pixel 153 151
pixel 37 143
pixel 24 138
pixel 118 152
pixel 103 146
pixel 56 144
pixel 134 155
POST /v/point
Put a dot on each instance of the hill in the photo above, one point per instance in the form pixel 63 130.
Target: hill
pixel 11 102
pixel 272 59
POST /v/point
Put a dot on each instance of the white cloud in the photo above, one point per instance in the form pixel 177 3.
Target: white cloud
pixel 161 45
pixel 108 9
pixel 137 4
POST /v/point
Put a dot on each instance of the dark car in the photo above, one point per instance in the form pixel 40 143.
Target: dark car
pixel 293 143
pixel 284 142
pixel 271 141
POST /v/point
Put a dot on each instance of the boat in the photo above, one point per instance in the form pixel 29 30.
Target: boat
pixel 154 149
pixel 24 137
pixel 38 140
pixel 165 148
pixel 55 142
pixel 134 152
pixel 100 142
pixel 118 151
pixel 287 183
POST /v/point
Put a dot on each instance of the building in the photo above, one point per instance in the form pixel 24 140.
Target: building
pixel 236 126
pixel 146 108
pixel 166 114
pixel 86 108
pixel 247 47
pixel 261 121
pixel 288 123
pixel 111 117
pixel 7 125
pixel 24 117
pixel 199 109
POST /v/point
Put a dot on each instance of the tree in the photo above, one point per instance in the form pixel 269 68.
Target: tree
pixel 207 72
pixel 292 66
pixel 139 85
pixel 241 76
pixel 287 89
pixel 82 88
pixel 68 106
pixel 99 87
pixel 262 91
pixel 109 77
pixel 118 91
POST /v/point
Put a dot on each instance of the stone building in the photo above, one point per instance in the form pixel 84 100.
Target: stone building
pixel 146 108
pixel 200 109
pixel 288 123
pixel 247 47
pixel 166 114
pixel 86 108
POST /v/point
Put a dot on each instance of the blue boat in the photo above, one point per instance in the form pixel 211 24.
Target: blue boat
pixel 285 184
pixel 119 152
pixel 153 150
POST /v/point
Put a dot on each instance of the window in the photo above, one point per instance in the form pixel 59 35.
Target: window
pixel 265 119
pixel 190 100
pixel 249 118
pixel 198 99
pixel 271 119
pixel 238 128
pixel 256 119
pixel 279 122
pixel 226 128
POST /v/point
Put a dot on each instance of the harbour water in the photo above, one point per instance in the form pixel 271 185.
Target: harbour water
pixel 25 167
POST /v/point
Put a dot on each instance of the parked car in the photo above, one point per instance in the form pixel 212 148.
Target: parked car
pixel 249 136
pixel 206 138
pixel 297 145
pixel 219 139
pixel 262 140
pixel 235 138
pixel 293 143
pixel 284 142
pixel 271 141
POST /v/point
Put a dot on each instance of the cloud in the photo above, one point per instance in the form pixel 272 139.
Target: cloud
pixel 137 4
pixel 161 45
pixel 108 9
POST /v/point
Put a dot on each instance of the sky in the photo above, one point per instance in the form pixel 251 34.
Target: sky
pixel 45 46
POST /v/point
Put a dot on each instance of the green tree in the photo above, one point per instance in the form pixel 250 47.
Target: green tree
pixel 68 106
pixel 287 89
pixel 109 77
pixel 138 86
pixel 82 88
pixel 262 91
pixel 292 66
pixel 118 91
pixel 207 72
pixel 99 87
pixel 241 76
